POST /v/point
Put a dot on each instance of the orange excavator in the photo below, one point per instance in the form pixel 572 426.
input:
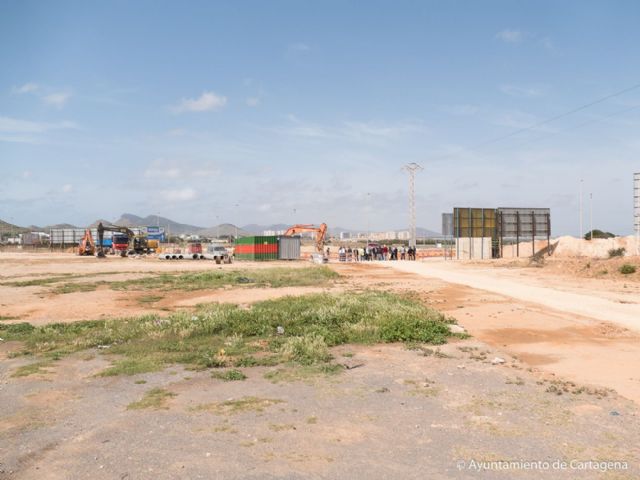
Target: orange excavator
pixel 320 231
pixel 87 246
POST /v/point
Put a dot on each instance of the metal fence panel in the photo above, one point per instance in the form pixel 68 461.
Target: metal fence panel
pixel 289 248
pixel 447 224
pixel 524 222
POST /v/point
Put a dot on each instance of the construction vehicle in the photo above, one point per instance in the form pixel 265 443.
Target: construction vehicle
pixel 120 241
pixel 320 231
pixel 87 246
pixel 194 248
pixel 125 241
pixel 218 253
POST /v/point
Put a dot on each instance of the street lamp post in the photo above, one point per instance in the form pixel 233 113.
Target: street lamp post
pixel 580 201
pixel 368 217
pixel 236 221
pixel 591 216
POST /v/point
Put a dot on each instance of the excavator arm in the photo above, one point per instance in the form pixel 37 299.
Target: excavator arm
pixel 87 246
pixel 320 231
pixel 110 228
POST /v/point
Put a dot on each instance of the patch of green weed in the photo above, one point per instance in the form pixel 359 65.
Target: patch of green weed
pixel 75 287
pixel 627 269
pixel 32 369
pixel 146 299
pixel 155 398
pixel 229 375
pixel 219 335
pixel 240 405
pixel 269 277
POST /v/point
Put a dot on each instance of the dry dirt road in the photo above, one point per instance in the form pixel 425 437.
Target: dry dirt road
pixel 595 303
pixel 582 329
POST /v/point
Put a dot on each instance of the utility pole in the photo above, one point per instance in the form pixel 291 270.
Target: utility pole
pixel 235 223
pixel 636 209
pixel 591 216
pixel 368 215
pixel 581 181
pixel 412 168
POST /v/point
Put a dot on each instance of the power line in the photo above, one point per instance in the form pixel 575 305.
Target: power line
pixel 562 115
pixel 549 120
pixel 579 125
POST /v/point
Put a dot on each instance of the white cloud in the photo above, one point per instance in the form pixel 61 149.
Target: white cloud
pixel 205 102
pixel 461 110
pixel 26 174
pixel 14 125
pixel 381 130
pixel 510 36
pixel 159 172
pixel 58 99
pixel 252 101
pixel 352 130
pixel 522 91
pixel 26 88
pixel 173 169
pixel 298 47
pixel 179 195
pixel 518 120
pixel 67 188
pixel 547 43
pixel 177 132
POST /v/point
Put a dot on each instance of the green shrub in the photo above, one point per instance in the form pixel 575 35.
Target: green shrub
pixel 598 234
pixel 220 335
pixel 617 252
pixel 306 350
pixel 627 269
pixel 17 328
pixel 230 375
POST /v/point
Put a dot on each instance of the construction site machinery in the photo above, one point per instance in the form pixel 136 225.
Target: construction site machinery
pixel 87 246
pixel 218 253
pixel 120 241
pixel 194 248
pixel 320 231
pixel 141 245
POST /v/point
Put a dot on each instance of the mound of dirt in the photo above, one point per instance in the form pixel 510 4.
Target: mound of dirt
pixel 596 248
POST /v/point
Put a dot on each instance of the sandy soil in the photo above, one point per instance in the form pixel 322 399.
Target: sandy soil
pixel 38 305
pixel 402 414
pixel 579 298
pixel 577 330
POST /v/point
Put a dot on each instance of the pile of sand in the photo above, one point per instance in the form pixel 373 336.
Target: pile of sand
pixel 597 248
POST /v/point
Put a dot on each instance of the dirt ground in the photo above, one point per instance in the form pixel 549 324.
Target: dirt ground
pixel 39 305
pixel 569 389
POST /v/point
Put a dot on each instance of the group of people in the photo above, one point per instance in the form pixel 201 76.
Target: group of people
pixel 374 252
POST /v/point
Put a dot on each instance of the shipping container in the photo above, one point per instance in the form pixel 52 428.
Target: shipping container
pixel 257 248
pixel 289 248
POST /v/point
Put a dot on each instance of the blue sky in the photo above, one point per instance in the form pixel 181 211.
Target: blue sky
pixel 284 112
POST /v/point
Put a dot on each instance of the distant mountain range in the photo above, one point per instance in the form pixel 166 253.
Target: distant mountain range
pixel 10 228
pixel 175 228
pixel 225 230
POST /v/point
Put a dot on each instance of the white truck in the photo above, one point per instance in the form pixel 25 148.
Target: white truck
pixel 218 253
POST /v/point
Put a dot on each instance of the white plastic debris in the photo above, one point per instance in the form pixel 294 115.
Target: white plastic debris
pixel 453 328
